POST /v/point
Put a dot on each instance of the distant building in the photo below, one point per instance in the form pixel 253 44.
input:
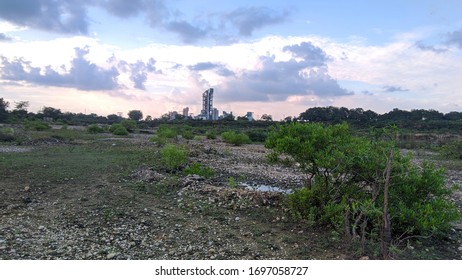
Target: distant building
pixel 172 115
pixel 249 116
pixel 207 105
pixel 215 114
pixel 186 112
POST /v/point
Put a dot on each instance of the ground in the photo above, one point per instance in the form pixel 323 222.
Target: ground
pixel 108 198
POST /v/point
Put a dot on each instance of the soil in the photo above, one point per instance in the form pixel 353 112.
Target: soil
pixel 145 216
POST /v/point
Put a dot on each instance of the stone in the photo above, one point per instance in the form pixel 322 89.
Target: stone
pixel 111 256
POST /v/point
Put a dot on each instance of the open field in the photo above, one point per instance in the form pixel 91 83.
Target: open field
pixel 103 197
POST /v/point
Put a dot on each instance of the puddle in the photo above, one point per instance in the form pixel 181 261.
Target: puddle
pixel 266 188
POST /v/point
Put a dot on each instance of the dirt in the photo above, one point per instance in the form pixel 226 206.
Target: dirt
pixel 147 216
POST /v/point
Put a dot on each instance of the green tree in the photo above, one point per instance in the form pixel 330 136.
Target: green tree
pixel 135 115
pixel 3 109
pixel 347 189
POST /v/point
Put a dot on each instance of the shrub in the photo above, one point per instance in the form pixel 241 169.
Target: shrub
pixel 452 150
pixel 118 129
pixel 187 134
pixel 234 138
pixel 211 134
pixel 7 135
pixel 346 186
pixel 257 135
pixel 166 132
pixel 94 128
pixel 173 157
pixel 37 125
pixel 130 125
pixel 199 169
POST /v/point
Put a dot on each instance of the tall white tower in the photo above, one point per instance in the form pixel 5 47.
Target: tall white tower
pixel 207 104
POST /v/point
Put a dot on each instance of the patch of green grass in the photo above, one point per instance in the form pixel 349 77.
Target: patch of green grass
pixel 199 169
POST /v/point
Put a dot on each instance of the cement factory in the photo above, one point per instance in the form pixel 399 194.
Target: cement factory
pixel 208 112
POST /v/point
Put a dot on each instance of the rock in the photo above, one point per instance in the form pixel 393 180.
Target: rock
pixel 237 219
pixel 111 256
pixel 364 258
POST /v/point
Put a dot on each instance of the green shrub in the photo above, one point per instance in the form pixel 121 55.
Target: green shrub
pixel 346 188
pixel 118 129
pixel 166 132
pixel 452 150
pixel 160 141
pixel 211 134
pixel 257 135
pixel 199 169
pixel 130 125
pixel 37 125
pixel 187 134
pixel 94 128
pixel 234 138
pixel 7 134
pixel 173 157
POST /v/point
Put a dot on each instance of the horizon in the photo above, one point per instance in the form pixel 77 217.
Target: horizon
pixel 267 57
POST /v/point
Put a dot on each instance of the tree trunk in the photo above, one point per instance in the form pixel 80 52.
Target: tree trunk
pixel 386 230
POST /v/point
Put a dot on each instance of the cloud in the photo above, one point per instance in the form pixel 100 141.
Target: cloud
pixel 218 67
pixel 422 46
pixel 139 71
pixel 247 20
pixel 277 80
pixel 455 38
pixel 394 89
pixel 83 75
pixel 4 37
pixel 188 32
pixel 51 15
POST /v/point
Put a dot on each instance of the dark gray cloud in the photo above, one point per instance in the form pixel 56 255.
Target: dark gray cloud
pixel 422 46
pixel 276 80
pixel 394 89
pixel 52 15
pixel 219 68
pixel 247 20
pixel 187 32
pixel 82 75
pixel 4 37
pixel 455 38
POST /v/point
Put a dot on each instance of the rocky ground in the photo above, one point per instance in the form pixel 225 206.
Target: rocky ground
pixel 147 216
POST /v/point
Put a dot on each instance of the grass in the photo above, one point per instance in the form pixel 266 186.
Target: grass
pixel 82 163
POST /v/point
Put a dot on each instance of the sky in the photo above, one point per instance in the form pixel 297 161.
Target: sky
pixel 268 57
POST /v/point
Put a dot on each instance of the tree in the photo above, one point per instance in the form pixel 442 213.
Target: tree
pixel 266 117
pixel 346 186
pixel 135 115
pixel 51 112
pixel 3 109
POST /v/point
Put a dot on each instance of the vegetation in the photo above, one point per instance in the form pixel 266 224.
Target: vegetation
pixel 452 150
pixel 198 169
pixel 347 189
pixel 94 128
pixel 36 125
pixel 234 138
pixel 130 125
pixel 173 157
pixel 118 129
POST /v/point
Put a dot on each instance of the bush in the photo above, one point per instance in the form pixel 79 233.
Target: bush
pixel 257 135
pixel 166 132
pixel 211 134
pixel 198 169
pixel 346 186
pixel 7 134
pixel 234 138
pixel 37 125
pixel 452 150
pixel 130 125
pixel 94 128
pixel 173 157
pixel 118 129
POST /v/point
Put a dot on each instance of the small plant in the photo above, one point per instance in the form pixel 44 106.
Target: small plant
pixel 7 135
pixel 187 134
pixel 173 157
pixel 234 138
pixel 232 182
pixel 166 132
pixel 160 141
pixel 94 129
pixel 118 129
pixel 37 125
pixel 211 134
pixel 130 125
pixel 199 169
pixel 452 150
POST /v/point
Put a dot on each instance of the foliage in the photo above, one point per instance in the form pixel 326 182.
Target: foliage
pixel 94 129
pixel 345 182
pixel 452 150
pixel 173 157
pixel 118 129
pixel 257 135
pixel 235 138
pixel 211 134
pixel 135 115
pixel 165 131
pixel 130 125
pixel 199 169
pixel 7 134
pixel 37 125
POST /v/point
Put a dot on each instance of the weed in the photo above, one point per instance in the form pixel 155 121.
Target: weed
pixel 199 169
pixel 173 157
